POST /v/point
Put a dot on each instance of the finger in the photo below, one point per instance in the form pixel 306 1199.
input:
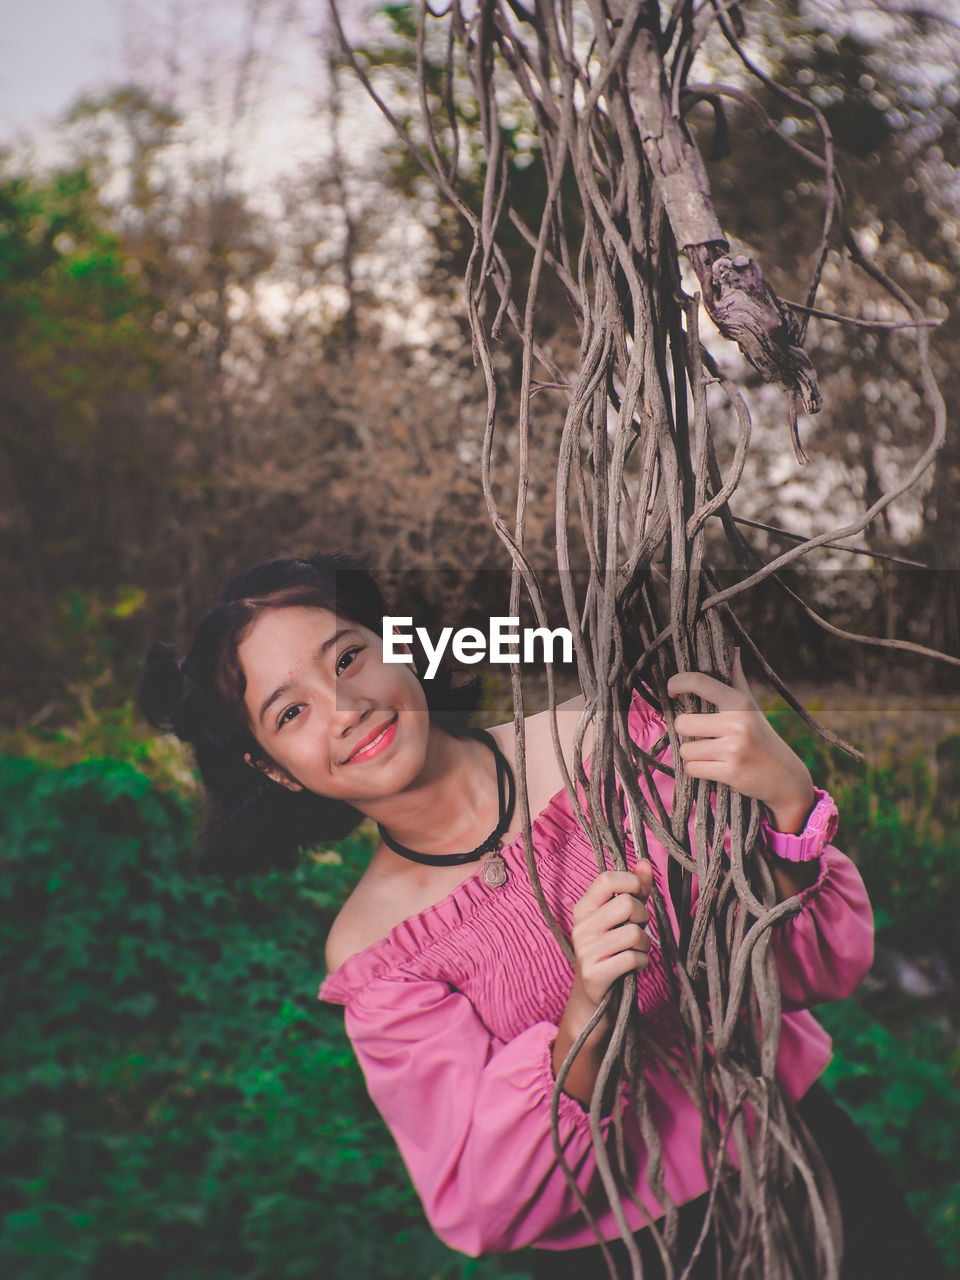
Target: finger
pixel 611 882
pixel 723 696
pixel 712 770
pixel 598 944
pixel 640 914
pixel 626 937
pixel 624 908
pixel 629 938
pixel 739 679
pixel 604 973
pixel 606 886
pixel 702 749
pixel 644 872
pixel 704 724
pixel 590 923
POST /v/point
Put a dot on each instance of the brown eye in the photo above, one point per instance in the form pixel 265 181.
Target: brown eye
pixel 342 663
pixel 289 714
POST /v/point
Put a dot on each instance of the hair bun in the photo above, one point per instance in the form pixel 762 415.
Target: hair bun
pixel 161 686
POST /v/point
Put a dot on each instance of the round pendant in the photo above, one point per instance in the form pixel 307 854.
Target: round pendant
pixel 495 871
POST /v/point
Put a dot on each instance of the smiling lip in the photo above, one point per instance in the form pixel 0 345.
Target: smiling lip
pixel 378 741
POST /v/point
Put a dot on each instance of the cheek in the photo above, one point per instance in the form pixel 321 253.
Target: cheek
pixel 418 694
pixel 405 685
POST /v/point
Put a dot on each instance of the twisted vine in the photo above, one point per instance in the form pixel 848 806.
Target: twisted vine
pixel 605 85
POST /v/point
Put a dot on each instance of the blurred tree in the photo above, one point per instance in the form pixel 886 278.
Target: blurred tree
pixel 883 81
pixel 201 369
pixel 84 463
pixel 894 126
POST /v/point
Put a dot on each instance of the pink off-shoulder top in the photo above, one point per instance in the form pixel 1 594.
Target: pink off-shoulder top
pixel 454 1014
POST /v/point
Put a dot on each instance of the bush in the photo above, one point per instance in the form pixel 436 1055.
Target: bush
pixel 904 1091
pixel 896 1064
pixel 901 825
pixel 176 1101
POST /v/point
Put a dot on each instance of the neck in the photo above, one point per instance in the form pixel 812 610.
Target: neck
pixel 458 784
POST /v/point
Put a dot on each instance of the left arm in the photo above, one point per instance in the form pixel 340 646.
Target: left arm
pixel 825 950
pixel 737 745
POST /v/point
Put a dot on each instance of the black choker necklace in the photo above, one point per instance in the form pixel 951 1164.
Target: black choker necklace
pixel 494 869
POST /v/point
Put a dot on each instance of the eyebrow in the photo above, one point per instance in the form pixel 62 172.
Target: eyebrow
pixel 282 689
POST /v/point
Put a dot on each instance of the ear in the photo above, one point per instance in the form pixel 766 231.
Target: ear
pixel 274 773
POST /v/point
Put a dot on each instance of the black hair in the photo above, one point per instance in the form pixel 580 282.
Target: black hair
pixel 254 823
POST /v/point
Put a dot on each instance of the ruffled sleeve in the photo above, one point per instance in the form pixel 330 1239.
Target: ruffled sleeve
pixel 826 949
pixel 470 1114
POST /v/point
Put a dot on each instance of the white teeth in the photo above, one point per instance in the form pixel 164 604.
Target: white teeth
pixel 365 749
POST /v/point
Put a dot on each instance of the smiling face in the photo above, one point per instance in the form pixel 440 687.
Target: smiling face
pixel 330 714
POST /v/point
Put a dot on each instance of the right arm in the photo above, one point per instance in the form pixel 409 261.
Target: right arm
pixel 471 1114
pixel 609 940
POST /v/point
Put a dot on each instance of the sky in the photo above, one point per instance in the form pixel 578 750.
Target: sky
pixel 51 51
pixel 188 51
pixel 54 51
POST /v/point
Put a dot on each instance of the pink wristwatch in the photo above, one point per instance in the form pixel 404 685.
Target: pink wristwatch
pixel 820 829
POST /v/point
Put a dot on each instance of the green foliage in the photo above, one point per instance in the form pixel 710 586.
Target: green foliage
pixel 907 1100
pixel 71 302
pixel 900 825
pixel 175 1100
pixel 896 1064
pixel 86 464
pixel 115 733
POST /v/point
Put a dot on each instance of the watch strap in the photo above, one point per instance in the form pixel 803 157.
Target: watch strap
pixel 819 830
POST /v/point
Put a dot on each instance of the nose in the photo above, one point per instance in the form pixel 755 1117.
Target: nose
pixel 350 710
pixel 351 721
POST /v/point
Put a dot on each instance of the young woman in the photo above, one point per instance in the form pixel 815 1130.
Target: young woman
pixel 459 1003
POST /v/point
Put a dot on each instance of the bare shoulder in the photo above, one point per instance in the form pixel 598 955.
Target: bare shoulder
pixel 340 944
pixel 544 776
pixel 362 921
pixel 386 895
pixel 540 733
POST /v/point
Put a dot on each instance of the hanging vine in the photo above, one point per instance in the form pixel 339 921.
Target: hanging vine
pixel 606 86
